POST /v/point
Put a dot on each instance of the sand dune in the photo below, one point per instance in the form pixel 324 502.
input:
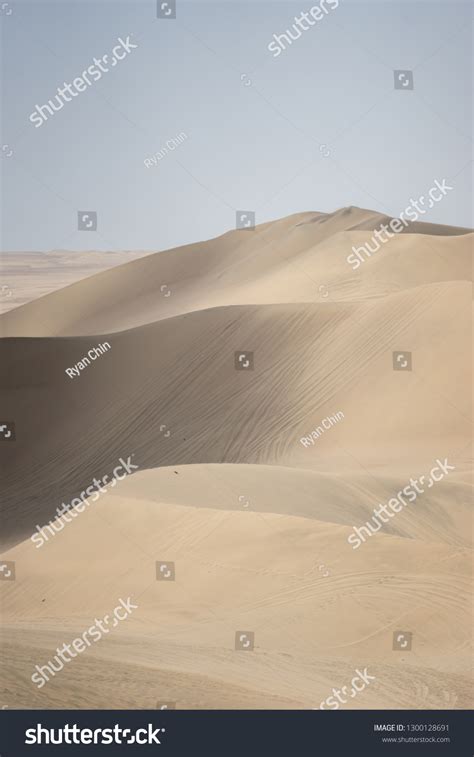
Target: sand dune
pixel 287 261
pixel 255 521
pixel 290 580
pixel 311 361
pixel 29 275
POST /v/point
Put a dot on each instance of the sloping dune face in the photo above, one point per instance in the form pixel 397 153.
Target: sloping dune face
pixel 302 258
pixel 29 275
pixel 267 398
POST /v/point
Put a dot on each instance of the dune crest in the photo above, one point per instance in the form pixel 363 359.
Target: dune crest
pixel 222 358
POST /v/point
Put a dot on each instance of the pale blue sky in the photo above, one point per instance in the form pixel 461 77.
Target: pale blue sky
pixel 256 147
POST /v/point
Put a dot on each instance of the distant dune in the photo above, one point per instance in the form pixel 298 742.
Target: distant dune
pixel 255 520
pixel 29 275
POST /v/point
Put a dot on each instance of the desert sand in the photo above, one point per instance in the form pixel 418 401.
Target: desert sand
pixel 25 276
pixel 255 522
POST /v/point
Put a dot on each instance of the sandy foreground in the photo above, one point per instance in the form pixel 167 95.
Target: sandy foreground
pixel 253 521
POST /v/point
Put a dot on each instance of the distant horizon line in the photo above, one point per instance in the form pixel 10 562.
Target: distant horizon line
pixel 128 251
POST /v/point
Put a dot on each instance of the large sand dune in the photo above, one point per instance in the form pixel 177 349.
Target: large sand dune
pixel 284 262
pixel 255 521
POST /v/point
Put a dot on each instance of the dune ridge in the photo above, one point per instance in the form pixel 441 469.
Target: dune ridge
pixel 256 522
pixel 285 261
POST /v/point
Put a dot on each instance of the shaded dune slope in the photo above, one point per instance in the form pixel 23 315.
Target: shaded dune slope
pixel 255 521
pixel 311 360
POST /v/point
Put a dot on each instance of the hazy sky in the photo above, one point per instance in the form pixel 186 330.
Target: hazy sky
pixel 318 127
